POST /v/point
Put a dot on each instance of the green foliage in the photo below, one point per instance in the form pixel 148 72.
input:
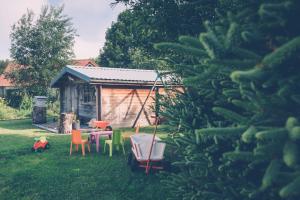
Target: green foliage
pixel 235 129
pixel 3 64
pixel 271 174
pixel 41 47
pixel 7 112
pixel 53 108
pixel 27 103
pixel 291 189
pixel 145 23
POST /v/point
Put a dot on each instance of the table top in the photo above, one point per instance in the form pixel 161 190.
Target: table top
pixel 100 132
pixel 91 129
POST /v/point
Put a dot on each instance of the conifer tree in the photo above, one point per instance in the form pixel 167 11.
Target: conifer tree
pixel 238 124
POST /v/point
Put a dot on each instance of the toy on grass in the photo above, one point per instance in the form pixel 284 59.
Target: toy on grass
pixel 40 144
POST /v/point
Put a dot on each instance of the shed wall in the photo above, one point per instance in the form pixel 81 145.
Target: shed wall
pixel 120 106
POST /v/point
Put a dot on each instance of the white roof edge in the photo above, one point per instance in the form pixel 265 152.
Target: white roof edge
pixel 113 68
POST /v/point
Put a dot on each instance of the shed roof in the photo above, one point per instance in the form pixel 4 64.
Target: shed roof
pixel 107 75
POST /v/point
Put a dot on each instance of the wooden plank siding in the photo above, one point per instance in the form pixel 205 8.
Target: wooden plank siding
pixel 99 101
pixel 117 104
pixel 120 106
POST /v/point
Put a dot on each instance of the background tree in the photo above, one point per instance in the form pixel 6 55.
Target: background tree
pixel 147 22
pixel 42 47
pixel 3 64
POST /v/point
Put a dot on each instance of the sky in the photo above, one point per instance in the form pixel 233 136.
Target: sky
pixel 90 18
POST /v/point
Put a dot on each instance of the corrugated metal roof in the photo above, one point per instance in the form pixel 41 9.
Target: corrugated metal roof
pixel 105 73
pixel 96 74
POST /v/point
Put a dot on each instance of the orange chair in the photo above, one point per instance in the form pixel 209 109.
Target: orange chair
pixel 77 140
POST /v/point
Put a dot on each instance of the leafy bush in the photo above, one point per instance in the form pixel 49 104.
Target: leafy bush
pixel 14 97
pixel 53 108
pixel 7 112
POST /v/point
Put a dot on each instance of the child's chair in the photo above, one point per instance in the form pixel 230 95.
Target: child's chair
pixel 76 139
pixel 115 141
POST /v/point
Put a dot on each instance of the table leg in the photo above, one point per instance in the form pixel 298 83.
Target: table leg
pixel 97 142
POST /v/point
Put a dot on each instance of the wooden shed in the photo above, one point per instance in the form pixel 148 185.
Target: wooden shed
pixel 112 94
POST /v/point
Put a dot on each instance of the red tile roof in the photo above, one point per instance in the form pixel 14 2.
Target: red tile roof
pixel 85 62
pixel 5 82
pixel 11 67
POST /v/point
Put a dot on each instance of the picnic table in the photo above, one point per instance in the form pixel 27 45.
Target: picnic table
pixel 97 133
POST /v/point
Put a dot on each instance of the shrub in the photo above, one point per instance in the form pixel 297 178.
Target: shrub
pixel 7 112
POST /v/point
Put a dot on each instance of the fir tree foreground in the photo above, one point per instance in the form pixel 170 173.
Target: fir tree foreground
pixel 238 134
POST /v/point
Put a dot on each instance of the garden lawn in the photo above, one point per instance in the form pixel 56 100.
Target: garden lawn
pixel 54 174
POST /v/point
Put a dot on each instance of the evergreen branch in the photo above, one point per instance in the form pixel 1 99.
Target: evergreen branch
pixel 273 134
pixel 191 41
pixel 181 49
pixel 232 93
pixel 249 135
pixel 212 46
pixel 283 54
pixel 244 104
pixel 269 150
pixel 271 174
pixel 253 74
pixel 246 54
pixel 240 155
pixel 291 154
pixel 290 123
pixel 219 132
pixel 291 189
pixel 230 115
pixel 295 133
pixel 231 36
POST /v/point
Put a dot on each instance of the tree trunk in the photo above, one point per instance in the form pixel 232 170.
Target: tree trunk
pixel 65 122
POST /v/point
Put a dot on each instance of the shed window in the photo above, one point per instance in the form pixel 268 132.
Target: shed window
pixel 88 94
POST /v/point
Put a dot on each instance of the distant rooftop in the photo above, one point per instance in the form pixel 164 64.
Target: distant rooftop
pixel 5 82
pixel 107 75
pixel 85 62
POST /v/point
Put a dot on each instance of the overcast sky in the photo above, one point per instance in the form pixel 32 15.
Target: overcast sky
pixel 91 18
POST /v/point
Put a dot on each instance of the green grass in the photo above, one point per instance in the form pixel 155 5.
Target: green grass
pixel 54 174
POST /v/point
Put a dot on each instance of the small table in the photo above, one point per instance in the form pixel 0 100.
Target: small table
pixel 99 133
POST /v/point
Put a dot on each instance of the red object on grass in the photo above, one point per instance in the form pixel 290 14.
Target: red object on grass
pixel 40 145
